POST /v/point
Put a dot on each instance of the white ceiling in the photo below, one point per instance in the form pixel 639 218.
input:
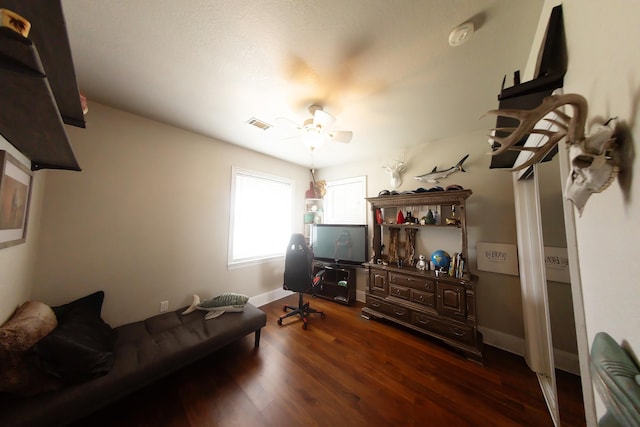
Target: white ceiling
pixel 384 68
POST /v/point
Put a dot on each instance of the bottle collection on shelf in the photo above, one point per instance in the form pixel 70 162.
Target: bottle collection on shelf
pixel 430 216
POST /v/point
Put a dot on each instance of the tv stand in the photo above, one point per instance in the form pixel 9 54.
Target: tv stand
pixel 339 284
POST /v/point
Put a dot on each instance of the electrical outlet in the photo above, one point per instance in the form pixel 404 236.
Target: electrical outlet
pixel 164 306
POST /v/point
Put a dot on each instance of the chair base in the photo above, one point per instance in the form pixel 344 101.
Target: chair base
pixel 303 310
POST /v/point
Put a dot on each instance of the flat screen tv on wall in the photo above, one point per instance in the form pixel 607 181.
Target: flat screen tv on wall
pixel 340 243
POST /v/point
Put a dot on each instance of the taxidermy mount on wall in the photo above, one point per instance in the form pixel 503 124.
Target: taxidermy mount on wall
pixel 435 175
pixel 395 172
pixel 593 164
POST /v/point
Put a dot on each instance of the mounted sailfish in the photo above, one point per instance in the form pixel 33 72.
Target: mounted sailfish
pixel 435 175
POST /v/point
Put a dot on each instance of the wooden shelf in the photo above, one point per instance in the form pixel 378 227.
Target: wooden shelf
pixel 405 201
pixel 39 89
pixel 419 226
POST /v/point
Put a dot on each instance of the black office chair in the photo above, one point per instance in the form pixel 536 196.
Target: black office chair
pixel 298 277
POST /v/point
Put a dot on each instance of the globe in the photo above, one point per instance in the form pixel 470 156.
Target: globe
pixel 440 259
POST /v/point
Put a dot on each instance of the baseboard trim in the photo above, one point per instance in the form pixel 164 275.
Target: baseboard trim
pixel 268 297
pixel 564 360
pixel 276 294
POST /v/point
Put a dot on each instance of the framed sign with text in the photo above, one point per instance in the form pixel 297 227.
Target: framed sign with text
pixel 498 257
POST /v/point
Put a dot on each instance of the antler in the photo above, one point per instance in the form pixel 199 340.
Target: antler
pixel 399 166
pixel 570 126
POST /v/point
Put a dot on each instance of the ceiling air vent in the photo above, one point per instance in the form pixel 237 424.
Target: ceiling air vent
pixel 259 123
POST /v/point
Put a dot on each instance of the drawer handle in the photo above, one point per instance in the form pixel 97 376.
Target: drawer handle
pixel 457 333
pixel 397 291
pixel 399 312
pixel 423 321
pixel 421 298
pixel 375 304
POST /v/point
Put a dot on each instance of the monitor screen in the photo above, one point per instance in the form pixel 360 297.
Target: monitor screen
pixel 340 243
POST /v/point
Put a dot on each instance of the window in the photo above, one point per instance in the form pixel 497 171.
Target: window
pixel 261 216
pixel 345 201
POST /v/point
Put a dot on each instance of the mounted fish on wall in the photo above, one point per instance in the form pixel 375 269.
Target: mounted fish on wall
pixel 435 175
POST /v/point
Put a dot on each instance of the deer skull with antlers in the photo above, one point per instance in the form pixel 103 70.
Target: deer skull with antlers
pixel 395 172
pixel 593 167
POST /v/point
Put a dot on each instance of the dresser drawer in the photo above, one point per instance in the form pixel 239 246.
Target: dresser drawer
pixel 389 309
pixel 461 333
pixel 427 299
pixel 414 282
pixel 399 291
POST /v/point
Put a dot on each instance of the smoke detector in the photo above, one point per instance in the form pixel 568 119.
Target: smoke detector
pixel 460 34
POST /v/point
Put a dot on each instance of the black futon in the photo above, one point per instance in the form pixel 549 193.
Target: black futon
pixel 145 351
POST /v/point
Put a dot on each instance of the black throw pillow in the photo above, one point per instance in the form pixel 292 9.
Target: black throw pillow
pixel 82 345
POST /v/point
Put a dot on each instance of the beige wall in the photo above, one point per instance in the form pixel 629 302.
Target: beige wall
pixel 604 66
pixel 147 219
pixel 17 262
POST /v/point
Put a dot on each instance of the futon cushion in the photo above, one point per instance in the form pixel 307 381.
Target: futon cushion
pixel 30 323
pixel 82 346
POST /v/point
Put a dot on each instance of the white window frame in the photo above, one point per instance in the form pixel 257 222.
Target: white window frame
pixel 345 201
pixel 259 215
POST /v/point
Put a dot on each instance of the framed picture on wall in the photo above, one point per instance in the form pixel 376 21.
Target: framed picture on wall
pixel 15 194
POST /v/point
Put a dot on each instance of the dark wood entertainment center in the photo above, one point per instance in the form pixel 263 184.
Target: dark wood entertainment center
pixel 430 302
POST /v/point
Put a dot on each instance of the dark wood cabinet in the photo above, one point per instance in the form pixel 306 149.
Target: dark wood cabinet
pixel 378 283
pixel 451 300
pixel 439 306
pixel 433 303
pixel 338 284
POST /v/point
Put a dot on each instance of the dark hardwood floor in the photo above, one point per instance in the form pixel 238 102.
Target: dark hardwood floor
pixel 344 371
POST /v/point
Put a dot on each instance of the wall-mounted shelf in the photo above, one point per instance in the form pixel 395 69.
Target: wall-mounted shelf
pixel 313 214
pixel 38 84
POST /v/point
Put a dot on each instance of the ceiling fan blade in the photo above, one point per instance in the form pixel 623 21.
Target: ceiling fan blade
pixel 284 129
pixel 290 138
pixel 322 119
pixel 341 136
pixel 284 121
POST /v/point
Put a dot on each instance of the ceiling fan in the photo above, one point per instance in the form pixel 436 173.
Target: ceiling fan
pixel 315 131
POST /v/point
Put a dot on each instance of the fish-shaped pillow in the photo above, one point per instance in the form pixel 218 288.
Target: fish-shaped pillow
pixel 217 306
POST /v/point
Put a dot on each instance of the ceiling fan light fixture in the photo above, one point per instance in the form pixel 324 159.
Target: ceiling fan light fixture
pixel 315 132
pixel 313 138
